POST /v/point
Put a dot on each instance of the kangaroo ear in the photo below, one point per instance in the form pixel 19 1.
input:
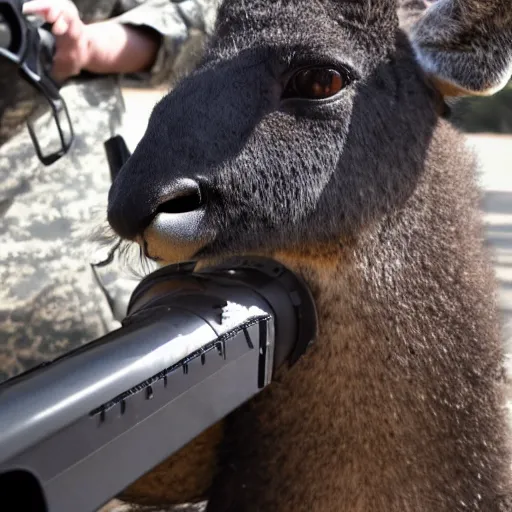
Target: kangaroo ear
pixel 464 45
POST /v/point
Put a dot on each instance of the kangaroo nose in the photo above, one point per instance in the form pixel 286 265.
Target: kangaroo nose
pixel 177 207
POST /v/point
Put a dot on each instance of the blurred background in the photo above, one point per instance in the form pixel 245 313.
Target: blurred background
pixel 488 124
pixel 480 115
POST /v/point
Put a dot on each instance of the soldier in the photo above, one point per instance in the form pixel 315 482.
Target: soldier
pixel 50 300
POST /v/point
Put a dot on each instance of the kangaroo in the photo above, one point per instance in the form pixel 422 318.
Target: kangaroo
pixel 314 132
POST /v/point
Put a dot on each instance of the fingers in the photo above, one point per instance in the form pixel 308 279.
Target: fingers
pixel 48 9
pixel 60 26
pixel 68 29
pixel 62 14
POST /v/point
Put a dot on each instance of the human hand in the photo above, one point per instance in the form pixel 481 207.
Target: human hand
pixel 71 37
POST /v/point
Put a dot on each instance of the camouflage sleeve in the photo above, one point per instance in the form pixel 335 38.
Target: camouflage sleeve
pixel 183 25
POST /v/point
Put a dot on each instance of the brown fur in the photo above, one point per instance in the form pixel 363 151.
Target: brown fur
pixel 379 416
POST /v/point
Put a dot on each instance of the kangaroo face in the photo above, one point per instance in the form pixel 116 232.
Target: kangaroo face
pixel 287 136
pixel 305 122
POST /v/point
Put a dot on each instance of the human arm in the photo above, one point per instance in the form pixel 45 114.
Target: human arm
pixel 104 47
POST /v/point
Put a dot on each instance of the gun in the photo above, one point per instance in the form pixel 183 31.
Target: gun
pixel 30 50
pixel 193 347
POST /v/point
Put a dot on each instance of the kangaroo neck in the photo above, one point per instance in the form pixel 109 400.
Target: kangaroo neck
pixel 407 404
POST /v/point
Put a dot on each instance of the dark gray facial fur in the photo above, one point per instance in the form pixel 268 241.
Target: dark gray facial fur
pixel 286 174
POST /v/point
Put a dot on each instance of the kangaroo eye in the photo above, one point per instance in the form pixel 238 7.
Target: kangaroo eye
pixel 315 84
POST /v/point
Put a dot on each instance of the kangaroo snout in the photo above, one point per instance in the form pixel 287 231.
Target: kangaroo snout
pixel 169 216
pixel 167 196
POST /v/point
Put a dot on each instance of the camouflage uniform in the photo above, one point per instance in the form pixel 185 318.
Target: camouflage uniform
pixel 50 301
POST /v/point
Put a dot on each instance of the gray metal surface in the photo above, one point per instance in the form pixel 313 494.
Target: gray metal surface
pixel 134 435
pixel 62 392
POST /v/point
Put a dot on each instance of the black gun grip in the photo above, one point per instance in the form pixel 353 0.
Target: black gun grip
pixel 117 154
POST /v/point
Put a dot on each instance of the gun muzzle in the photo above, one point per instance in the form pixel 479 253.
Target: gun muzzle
pixel 194 347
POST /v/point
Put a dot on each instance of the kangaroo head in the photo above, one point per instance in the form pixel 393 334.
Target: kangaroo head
pixel 305 122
